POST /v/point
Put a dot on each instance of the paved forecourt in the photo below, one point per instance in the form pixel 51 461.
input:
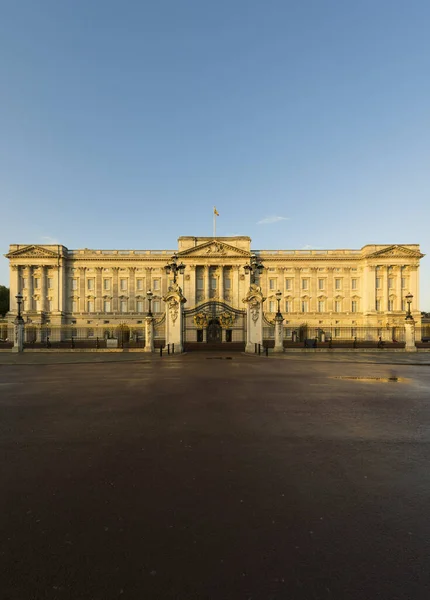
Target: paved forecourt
pixel 215 476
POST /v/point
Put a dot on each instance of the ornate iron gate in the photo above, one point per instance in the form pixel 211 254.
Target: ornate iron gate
pixel 214 323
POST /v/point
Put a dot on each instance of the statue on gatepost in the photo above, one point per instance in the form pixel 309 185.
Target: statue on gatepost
pixel 254 317
pixel 174 301
pixel 410 345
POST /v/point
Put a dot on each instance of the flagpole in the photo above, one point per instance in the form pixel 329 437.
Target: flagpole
pixel 214 223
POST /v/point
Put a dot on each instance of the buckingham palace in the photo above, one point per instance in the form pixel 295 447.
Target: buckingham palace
pixel 337 289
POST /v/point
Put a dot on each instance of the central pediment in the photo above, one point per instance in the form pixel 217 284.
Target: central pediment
pixel 32 251
pixel 214 248
pixel 396 251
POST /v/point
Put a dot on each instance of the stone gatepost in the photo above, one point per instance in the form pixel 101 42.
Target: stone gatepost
pixel 254 317
pixel 174 300
pixel 18 344
pixel 149 334
pixel 279 333
pixel 410 335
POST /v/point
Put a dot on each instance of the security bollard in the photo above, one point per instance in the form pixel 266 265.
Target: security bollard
pixel 255 349
pixel 267 350
pixel 161 350
pixel 259 349
pixel 168 348
pixel 173 348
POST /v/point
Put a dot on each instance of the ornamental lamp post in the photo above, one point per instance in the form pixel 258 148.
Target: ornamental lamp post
pixel 149 296
pixel 19 299
pixel 278 298
pixel 255 267
pixel 174 267
pixel 409 298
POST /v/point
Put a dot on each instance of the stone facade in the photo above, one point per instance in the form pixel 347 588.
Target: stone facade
pixel 363 287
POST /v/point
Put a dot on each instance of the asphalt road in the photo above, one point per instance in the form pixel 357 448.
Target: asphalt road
pixel 215 478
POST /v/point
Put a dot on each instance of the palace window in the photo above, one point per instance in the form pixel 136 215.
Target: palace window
pixel 90 284
pixel 353 284
pixel 49 282
pixel 377 305
pixel 403 304
pixel 123 284
pixel 321 306
pixel 390 283
pixel 156 306
pixel 272 284
pixel 321 284
pixel 272 306
pixel 288 284
pixel 139 284
pixel 123 306
pixel 287 306
pixel 139 306
pixel 338 306
pixel 106 284
pixel 156 284
pixel 74 306
pixel 378 283
pixel 74 284
pixel 213 283
pixel 305 284
pixel 107 306
pixel 390 304
pixel 354 306
pixel 338 284
pixel 227 284
pixel 90 306
pixel 304 306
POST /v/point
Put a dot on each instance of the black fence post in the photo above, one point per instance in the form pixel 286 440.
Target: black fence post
pixel 97 342
pixel 255 348
pixel 267 350
pixel 161 350
pixel 73 343
pixel 173 348
pixel 168 348
pixel 259 349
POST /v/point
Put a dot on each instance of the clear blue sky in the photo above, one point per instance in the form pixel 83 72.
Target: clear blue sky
pixel 123 122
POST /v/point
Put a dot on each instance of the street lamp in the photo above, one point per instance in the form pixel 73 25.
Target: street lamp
pixel 174 267
pixel 408 299
pixel 278 298
pixel 149 296
pixel 255 266
pixel 19 300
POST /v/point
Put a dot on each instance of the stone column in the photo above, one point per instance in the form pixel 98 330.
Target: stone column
pixel 148 282
pixel 82 306
pixel 207 282
pixel 410 335
pixel 347 289
pixel 43 287
pixel 221 283
pixel 15 287
pixel 29 277
pixel 297 291
pixel 192 291
pixel 279 334
pixel 62 286
pixel 330 287
pixel 398 287
pixel 149 334
pixel 235 297
pixel 115 298
pixel 413 287
pixel 99 290
pixel 313 289
pixel 132 289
